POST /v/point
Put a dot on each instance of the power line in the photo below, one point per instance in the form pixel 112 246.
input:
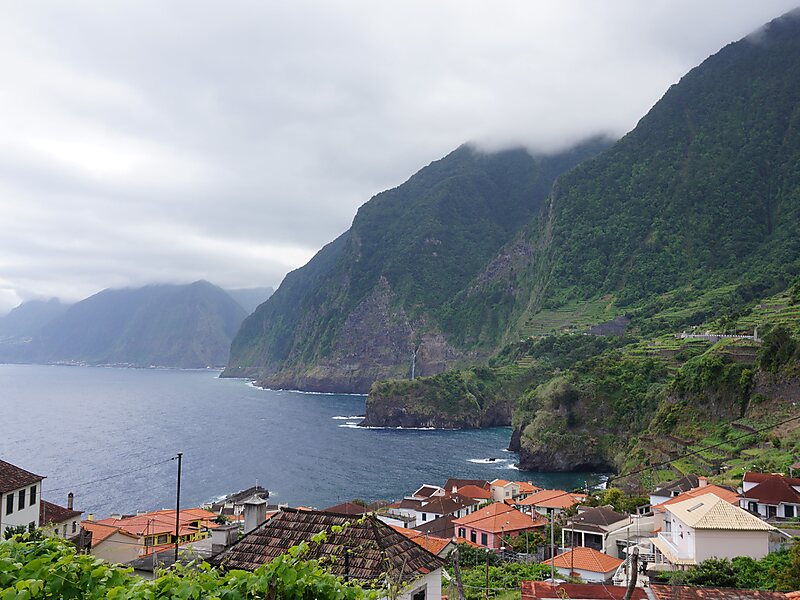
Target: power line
pixel 115 475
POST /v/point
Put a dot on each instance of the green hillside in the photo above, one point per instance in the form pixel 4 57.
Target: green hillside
pixel 380 291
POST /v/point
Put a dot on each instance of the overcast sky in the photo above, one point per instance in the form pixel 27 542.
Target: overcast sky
pixel 153 141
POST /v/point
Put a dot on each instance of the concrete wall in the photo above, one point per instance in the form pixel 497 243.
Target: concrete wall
pixel 587 576
pixel 28 514
pixel 63 529
pixel 729 544
pixel 118 548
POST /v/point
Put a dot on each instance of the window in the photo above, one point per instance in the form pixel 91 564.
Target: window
pixel 424 516
pixel 484 539
pixel 74 526
pixel 10 504
pixel 419 595
pixel 21 503
pixel 162 539
pixel 33 495
pixel 473 536
pixel 462 532
pixel 788 510
pixel 55 530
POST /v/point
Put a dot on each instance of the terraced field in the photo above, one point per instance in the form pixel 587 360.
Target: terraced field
pixel 570 317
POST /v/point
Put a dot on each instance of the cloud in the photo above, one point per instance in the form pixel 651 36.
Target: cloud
pixel 149 141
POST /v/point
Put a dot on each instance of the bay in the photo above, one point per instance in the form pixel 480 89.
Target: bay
pixel 107 434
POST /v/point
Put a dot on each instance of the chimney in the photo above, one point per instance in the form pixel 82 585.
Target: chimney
pixel 255 513
pixel 70 497
pixel 702 482
pixel 90 517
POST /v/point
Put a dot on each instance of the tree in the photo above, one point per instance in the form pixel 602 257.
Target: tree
pixel 713 572
pixel 789 578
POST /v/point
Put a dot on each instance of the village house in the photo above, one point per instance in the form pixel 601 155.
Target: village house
pixel 454 485
pixel 368 551
pixel 503 490
pixel 703 488
pixel 486 527
pixel 674 488
pixel 549 502
pixel 20 493
pixel 708 526
pixel 427 491
pixel 442 527
pixel 526 488
pixel 588 564
pixel 157 529
pixel 113 544
pixel 473 492
pixel 771 496
pixel 59 521
pixel 591 528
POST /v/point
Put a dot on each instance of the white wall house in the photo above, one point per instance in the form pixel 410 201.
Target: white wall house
pixel 773 497
pixel 709 527
pixel 20 493
pixel 503 490
pixel 59 521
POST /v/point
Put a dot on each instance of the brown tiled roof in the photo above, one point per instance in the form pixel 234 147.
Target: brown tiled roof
pixel 347 508
pixel 13 478
pixel 459 483
pixel 441 527
pixel 586 559
pixel 685 592
pixel 53 513
pixel 426 491
pixel 499 517
pixel 534 590
pixel 599 515
pixel 100 531
pixel 684 484
pixel 753 477
pixel 446 505
pixel 773 490
pixel 373 546
pixel 410 503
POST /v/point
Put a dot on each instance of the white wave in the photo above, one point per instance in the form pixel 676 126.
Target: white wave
pixel 512 467
pixel 253 384
pixel 488 461
pixel 356 426
pixel 340 418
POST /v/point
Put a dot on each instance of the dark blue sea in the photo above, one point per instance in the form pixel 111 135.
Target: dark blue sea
pixel 107 435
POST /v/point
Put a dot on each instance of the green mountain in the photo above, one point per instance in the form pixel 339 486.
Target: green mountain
pixel 374 301
pixel 690 222
pixel 187 326
pixel 27 319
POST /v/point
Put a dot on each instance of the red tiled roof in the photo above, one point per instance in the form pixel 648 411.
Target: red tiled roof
pixel 499 517
pixel 724 493
pixel 13 477
pixel 526 487
pixel 773 490
pixel 431 543
pixel 552 499
pixel 53 513
pixel 474 492
pixel 535 590
pixel 586 559
pixel 753 477
pixel 162 521
pixel 101 531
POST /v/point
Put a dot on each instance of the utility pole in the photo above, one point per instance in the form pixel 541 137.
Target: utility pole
pixel 633 574
pixel 487 574
pixel 178 507
pixel 457 572
pixel 552 545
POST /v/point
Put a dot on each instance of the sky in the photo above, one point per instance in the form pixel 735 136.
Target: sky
pixel 148 141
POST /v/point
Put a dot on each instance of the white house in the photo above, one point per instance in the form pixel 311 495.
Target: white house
pixel 675 488
pixel 773 497
pixel 708 526
pixel 20 494
pixel 503 490
pixel 592 527
pixel 751 479
pixel 58 521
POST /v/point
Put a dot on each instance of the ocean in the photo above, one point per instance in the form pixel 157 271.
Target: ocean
pixel 108 434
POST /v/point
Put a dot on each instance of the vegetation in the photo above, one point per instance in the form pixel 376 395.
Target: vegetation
pixel 50 568
pixel 503 578
pixel 778 571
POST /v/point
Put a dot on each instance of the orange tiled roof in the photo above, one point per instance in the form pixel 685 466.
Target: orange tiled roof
pixel 725 494
pixel 586 559
pixel 162 521
pixel 431 543
pixel 526 487
pixel 552 499
pixel 101 532
pixel 500 482
pixel 499 517
pixel 474 492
